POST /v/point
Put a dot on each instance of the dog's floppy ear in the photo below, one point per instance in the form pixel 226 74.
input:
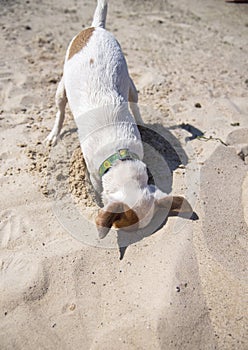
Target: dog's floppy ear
pixel 107 216
pixel 118 215
pixel 175 205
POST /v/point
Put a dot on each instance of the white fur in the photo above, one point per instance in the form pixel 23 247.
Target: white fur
pixel 97 86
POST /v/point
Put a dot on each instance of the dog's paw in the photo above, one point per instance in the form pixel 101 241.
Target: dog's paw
pixel 51 139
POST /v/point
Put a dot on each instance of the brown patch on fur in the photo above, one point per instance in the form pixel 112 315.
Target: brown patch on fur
pixel 91 61
pixel 117 215
pixel 80 41
pixel 175 205
pixel 127 218
pixel 106 218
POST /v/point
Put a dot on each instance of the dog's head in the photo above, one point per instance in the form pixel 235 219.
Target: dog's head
pixel 130 203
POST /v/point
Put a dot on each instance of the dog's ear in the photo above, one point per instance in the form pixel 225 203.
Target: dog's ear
pixel 107 216
pixel 127 220
pixel 118 215
pixel 175 205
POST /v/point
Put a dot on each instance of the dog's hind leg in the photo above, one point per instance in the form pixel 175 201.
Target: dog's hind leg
pixel 60 100
pixel 133 102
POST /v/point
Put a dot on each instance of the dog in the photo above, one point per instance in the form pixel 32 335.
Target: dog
pixel 103 100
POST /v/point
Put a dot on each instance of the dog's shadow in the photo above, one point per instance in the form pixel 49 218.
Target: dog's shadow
pixel 163 154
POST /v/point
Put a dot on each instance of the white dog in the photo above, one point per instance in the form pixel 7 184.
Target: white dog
pixel 98 88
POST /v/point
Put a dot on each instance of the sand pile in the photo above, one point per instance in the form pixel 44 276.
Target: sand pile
pixel 79 183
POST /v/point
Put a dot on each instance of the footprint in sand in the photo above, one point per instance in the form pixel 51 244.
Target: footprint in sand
pixel 22 278
pixel 224 191
pixel 12 227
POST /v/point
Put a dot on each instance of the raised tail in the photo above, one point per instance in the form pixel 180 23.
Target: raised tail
pixel 100 14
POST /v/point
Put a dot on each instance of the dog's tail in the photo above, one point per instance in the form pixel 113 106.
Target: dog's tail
pixel 100 14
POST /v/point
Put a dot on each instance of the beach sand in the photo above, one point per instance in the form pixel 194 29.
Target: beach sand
pixel 183 286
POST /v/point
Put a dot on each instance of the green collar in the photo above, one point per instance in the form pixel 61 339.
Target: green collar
pixel 121 154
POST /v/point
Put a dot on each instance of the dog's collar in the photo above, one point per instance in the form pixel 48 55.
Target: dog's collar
pixel 121 154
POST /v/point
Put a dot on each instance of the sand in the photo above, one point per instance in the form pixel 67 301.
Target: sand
pixel 183 286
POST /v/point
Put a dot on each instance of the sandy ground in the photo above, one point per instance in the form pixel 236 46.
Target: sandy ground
pixel 183 287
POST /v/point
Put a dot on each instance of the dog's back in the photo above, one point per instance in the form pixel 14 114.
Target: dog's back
pixel 95 71
pixel 97 74
pixel 97 86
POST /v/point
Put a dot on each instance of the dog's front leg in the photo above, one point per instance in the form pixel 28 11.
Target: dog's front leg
pixel 60 100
